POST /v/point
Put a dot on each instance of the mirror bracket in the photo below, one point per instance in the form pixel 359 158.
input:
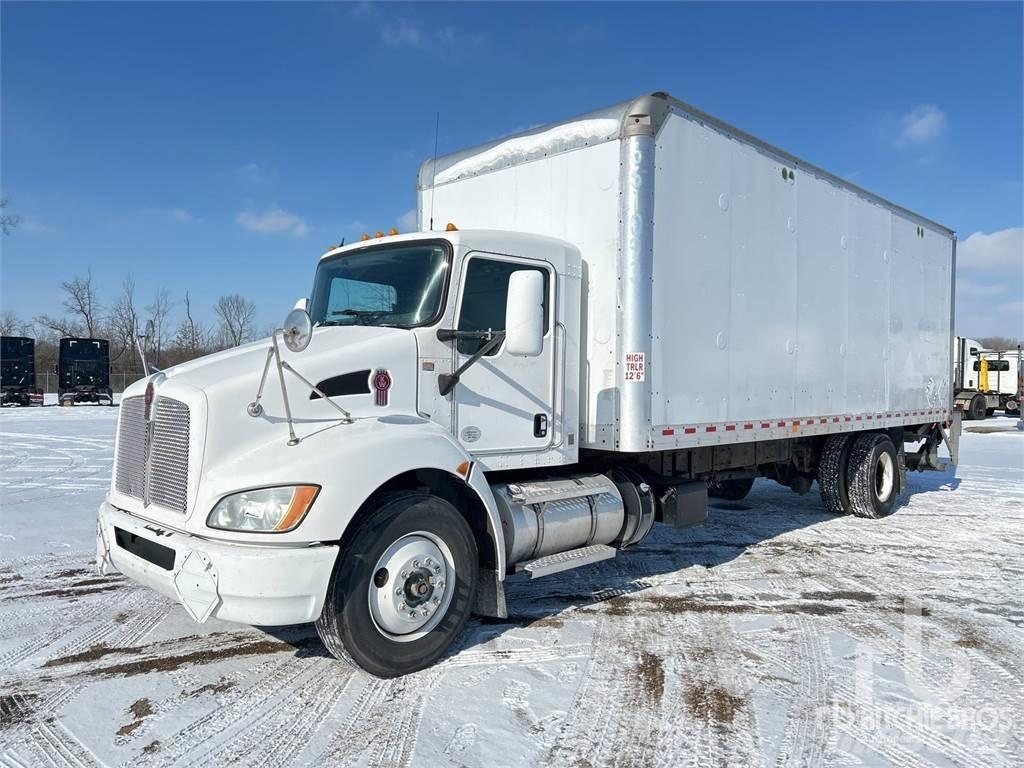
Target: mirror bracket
pixel 446 382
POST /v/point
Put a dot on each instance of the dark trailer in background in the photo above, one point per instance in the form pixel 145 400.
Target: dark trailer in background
pixel 18 371
pixel 84 371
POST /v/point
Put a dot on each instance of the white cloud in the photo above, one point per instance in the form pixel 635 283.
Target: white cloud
pixel 254 175
pixel 407 221
pixel 180 214
pixel 409 33
pixel 1002 250
pixel 403 33
pixel 272 221
pixel 922 124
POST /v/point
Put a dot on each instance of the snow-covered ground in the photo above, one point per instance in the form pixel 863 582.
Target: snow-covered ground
pixel 772 635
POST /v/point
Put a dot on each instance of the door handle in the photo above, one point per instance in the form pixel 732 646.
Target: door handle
pixel 540 425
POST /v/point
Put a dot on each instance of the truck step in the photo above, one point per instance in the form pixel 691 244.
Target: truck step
pixel 565 561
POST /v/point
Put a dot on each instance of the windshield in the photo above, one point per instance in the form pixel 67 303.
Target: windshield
pixel 401 286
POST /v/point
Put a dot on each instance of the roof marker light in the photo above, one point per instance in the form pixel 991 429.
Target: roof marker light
pixel 451 227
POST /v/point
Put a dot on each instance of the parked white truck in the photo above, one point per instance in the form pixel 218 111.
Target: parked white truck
pixel 628 308
pixel 985 381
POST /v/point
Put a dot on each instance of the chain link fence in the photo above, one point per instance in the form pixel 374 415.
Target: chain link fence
pixel 118 381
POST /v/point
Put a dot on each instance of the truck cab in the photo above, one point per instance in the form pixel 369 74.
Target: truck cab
pixel 237 504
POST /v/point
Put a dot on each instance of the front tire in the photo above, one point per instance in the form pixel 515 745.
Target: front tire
pixel 977 409
pixel 402 590
pixel 873 476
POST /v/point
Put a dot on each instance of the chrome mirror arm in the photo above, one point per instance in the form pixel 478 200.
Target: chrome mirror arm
pixel 255 409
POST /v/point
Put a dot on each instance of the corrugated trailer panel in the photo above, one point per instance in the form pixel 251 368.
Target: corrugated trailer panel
pixel 784 300
pixel 781 296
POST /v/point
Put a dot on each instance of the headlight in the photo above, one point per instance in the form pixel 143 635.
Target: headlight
pixel 268 510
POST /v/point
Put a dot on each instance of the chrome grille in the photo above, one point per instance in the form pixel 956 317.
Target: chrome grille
pixel 130 478
pixel 168 455
pixel 154 470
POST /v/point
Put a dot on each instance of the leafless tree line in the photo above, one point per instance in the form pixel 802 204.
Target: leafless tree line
pixel 170 337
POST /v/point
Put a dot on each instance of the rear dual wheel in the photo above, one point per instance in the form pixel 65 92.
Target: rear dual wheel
pixel 402 590
pixel 859 475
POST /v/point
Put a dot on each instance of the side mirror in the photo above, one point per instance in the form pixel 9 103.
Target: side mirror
pixel 524 314
pixel 302 304
pixel 298 330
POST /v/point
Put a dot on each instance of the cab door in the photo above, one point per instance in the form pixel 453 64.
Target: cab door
pixel 502 403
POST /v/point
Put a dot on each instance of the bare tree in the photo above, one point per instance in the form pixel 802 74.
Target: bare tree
pixel 59 327
pixel 80 300
pixel 999 343
pixel 236 316
pixel 124 319
pixel 8 221
pixel 191 338
pixel 159 312
pixel 12 325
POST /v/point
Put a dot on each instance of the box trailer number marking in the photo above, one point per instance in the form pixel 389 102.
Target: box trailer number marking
pixel 635 369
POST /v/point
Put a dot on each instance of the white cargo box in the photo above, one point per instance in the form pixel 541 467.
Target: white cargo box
pixel 732 292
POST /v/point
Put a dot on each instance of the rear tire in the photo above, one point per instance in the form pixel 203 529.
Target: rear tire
pixel 402 590
pixel 873 476
pixel 832 469
pixel 733 490
pixel 977 409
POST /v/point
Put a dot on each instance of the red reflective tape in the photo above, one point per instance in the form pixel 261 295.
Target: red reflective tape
pixel 848 418
pixel 809 421
pixel 859 418
pixel 748 426
pixel 710 429
pixel 782 423
pixel 822 421
pixel 668 431
pixel 765 425
pixel 730 427
pixel 870 417
pixel 690 430
pixel 835 418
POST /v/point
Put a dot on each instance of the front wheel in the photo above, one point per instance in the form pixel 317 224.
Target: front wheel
pixel 402 590
pixel 977 409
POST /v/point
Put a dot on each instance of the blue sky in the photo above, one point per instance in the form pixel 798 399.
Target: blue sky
pixel 218 148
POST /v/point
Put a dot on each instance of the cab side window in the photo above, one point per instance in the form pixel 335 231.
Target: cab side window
pixel 485 296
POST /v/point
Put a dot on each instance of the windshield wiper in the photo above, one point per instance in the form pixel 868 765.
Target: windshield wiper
pixel 362 312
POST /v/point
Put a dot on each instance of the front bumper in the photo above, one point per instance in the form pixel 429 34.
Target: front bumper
pixel 245 583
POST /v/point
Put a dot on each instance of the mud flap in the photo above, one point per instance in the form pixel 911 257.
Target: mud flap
pixel 951 437
pixel 195 582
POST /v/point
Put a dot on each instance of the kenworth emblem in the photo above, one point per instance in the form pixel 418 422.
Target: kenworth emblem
pixel 149 401
pixel 381 386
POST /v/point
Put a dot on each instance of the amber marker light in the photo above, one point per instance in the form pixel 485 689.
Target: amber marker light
pixel 302 500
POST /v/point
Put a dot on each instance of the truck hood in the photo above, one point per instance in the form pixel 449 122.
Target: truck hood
pixel 370 372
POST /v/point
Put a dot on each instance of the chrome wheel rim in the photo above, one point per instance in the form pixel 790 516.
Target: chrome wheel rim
pixel 885 476
pixel 411 586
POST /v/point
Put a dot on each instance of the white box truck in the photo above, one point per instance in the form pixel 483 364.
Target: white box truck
pixel 600 321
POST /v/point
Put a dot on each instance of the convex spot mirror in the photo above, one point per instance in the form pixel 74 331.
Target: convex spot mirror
pixel 297 330
pixel 524 314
